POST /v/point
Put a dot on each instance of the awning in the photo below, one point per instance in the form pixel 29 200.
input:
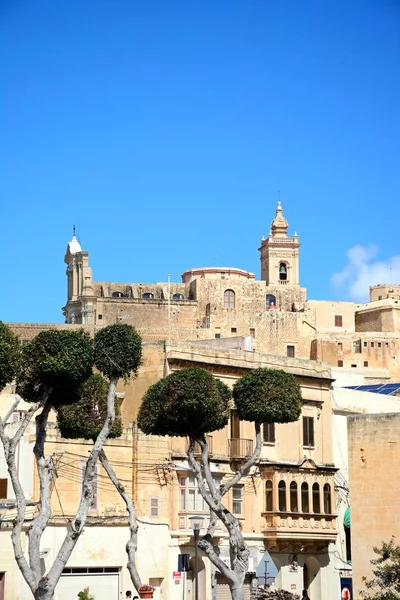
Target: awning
pixel 346 517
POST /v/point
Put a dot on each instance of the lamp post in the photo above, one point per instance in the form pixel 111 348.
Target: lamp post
pixel 196 522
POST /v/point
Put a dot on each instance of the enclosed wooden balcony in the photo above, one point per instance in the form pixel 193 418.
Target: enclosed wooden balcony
pixel 239 448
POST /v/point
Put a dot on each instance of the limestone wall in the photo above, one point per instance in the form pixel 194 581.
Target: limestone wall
pixel 374 471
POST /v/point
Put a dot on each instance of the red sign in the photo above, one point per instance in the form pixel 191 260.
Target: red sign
pixel 176 576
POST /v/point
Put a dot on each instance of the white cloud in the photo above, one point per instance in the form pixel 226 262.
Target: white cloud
pixel 363 270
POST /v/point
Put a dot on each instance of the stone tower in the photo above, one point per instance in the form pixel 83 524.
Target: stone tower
pixel 80 307
pixel 280 265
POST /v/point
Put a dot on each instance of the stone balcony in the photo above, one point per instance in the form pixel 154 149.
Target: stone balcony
pixel 299 526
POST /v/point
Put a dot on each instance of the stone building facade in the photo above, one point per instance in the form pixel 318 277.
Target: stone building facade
pixel 374 472
pixel 286 505
pixel 222 302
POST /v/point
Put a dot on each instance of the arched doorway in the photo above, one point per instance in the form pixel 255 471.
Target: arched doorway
pixel 312 578
pixel 191 582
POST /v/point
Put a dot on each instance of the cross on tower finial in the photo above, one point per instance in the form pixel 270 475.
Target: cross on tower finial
pixel 73 230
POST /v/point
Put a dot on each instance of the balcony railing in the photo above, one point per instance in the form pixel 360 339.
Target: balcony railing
pixel 197 447
pixel 240 448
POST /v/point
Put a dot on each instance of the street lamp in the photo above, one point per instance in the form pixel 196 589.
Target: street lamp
pixel 196 522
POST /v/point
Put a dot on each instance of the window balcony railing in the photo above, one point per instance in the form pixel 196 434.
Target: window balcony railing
pixel 240 448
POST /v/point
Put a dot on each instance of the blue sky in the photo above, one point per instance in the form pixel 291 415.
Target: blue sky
pixel 164 129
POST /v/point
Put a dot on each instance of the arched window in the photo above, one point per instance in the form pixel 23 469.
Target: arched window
pixel 315 498
pixel 268 495
pixel 178 297
pixel 282 272
pixel 294 506
pixel 327 499
pixel 282 496
pixel 305 502
pixel 148 296
pixel 270 300
pixel 229 299
pixel 117 295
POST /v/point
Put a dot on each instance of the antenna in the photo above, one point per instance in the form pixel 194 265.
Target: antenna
pixel 279 195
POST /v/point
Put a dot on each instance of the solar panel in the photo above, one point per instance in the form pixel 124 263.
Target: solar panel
pixel 377 388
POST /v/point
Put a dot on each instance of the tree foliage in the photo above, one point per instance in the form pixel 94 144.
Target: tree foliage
pixel 85 416
pixel 190 402
pixel 385 584
pixel 117 351
pixel 267 396
pixel 55 360
pixel 10 355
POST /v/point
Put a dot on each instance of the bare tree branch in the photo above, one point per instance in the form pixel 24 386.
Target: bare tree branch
pixel 11 409
pixel 131 545
pixel 245 468
pixel 42 518
pixel 75 528
pixel 10 446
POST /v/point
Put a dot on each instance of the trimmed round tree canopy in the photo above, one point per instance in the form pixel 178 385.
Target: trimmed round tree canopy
pixel 85 417
pixel 10 355
pixel 117 351
pixel 268 396
pixel 190 402
pixel 54 359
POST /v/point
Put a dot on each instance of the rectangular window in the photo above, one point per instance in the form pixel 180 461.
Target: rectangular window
pixel 237 500
pixel 340 346
pixel 365 363
pixel 379 344
pixel 365 344
pixel 290 351
pixel 154 507
pixel 252 332
pixel 379 297
pixel 217 336
pixel 357 347
pixel 372 344
pixel 190 498
pixel 338 321
pixel 233 330
pixel 354 366
pixel 269 433
pixel 340 363
pixel 99 317
pixel 308 431
pixel 3 489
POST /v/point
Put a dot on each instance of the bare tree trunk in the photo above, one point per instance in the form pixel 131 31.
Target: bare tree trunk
pixel 239 553
pixel 131 545
pixel 41 520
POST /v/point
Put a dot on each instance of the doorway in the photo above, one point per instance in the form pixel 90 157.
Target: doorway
pixel 2 585
pixel 191 582
pixel 306 580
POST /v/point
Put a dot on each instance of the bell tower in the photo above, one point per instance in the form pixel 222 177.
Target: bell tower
pixel 280 254
pixel 80 301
